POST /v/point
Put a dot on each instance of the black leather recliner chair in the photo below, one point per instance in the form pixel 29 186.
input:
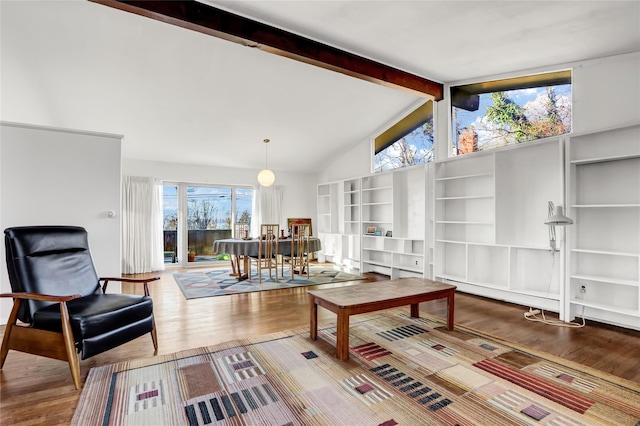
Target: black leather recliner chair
pixel 63 302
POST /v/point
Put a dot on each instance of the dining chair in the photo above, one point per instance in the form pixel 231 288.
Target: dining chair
pixel 298 259
pixel 267 250
pixel 240 232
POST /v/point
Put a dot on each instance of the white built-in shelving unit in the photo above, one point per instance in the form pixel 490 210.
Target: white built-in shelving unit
pixel 464 213
pixel 377 216
pixel 328 221
pixel 477 221
pixel 392 206
pixel 352 196
pixel 604 182
pixel 490 238
pixel 395 202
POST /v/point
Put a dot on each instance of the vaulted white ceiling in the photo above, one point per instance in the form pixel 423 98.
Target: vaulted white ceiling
pixel 182 96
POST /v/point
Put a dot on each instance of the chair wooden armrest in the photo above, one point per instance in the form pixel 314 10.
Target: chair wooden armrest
pixel 41 297
pixel 130 280
pixel 143 281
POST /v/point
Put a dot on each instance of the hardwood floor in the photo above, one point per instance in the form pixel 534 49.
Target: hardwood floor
pixel 36 390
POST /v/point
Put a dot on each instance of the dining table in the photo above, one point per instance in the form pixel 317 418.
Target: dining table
pixel 242 249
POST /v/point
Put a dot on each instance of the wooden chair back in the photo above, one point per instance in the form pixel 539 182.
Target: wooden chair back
pixel 299 258
pixel 241 230
pixel 268 247
pixel 267 250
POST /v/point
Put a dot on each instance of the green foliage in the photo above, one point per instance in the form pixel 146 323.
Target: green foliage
pixel 511 124
pixel 508 117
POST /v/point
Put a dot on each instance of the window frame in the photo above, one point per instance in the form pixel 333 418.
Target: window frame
pixel 402 126
pixel 541 79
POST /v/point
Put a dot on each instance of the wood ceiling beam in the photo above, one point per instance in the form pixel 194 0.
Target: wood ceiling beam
pixel 207 19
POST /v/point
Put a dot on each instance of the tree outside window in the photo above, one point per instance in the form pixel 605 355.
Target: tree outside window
pixel 517 110
pixel 409 142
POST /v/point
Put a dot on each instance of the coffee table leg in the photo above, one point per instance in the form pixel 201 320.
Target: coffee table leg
pixel 415 310
pixel 450 306
pixel 342 335
pixel 313 315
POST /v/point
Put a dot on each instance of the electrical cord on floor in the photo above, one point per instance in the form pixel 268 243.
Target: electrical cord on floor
pixel 537 315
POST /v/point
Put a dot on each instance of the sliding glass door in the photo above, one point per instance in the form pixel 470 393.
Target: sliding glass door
pixel 170 223
pixel 244 204
pixel 208 219
pixel 197 215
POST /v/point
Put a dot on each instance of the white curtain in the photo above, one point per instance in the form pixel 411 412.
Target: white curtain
pixel 142 239
pixel 269 202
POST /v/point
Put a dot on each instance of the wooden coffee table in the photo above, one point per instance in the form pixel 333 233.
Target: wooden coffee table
pixel 376 296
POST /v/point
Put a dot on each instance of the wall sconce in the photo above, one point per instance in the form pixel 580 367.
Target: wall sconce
pixel 266 177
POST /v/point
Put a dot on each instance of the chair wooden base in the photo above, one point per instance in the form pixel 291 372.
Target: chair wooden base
pixel 267 251
pixel 270 264
pixel 49 344
pixel 238 263
pixel 298 260
pixel 45 343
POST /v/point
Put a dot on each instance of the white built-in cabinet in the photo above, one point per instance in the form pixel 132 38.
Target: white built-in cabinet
pixel 604 267
pixel 396 203
pixel 328 221
pixel 379 223
pixel 352 197
pixel 477 221
pixel 490 237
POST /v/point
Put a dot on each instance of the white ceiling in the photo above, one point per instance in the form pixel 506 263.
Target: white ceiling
pixel 182 96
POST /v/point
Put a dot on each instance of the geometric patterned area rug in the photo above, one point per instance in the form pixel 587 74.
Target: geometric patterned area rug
pixel 218 282
pixel 402 371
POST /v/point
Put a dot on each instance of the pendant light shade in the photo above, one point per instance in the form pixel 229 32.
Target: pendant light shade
pixel 266 177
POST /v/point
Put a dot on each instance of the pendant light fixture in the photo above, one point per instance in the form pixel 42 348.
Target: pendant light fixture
pixel 266 176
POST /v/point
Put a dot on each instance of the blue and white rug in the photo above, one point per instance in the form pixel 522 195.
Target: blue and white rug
pixel 219 282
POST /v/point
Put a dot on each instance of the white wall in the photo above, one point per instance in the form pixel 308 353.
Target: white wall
pixel 299 196
pixel 352 163
pixel 61 177
pixel 358 161
pixel 606 92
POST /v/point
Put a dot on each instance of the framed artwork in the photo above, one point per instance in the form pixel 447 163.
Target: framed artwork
pixel 389 234
pixel 371 230
pixel 300 221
